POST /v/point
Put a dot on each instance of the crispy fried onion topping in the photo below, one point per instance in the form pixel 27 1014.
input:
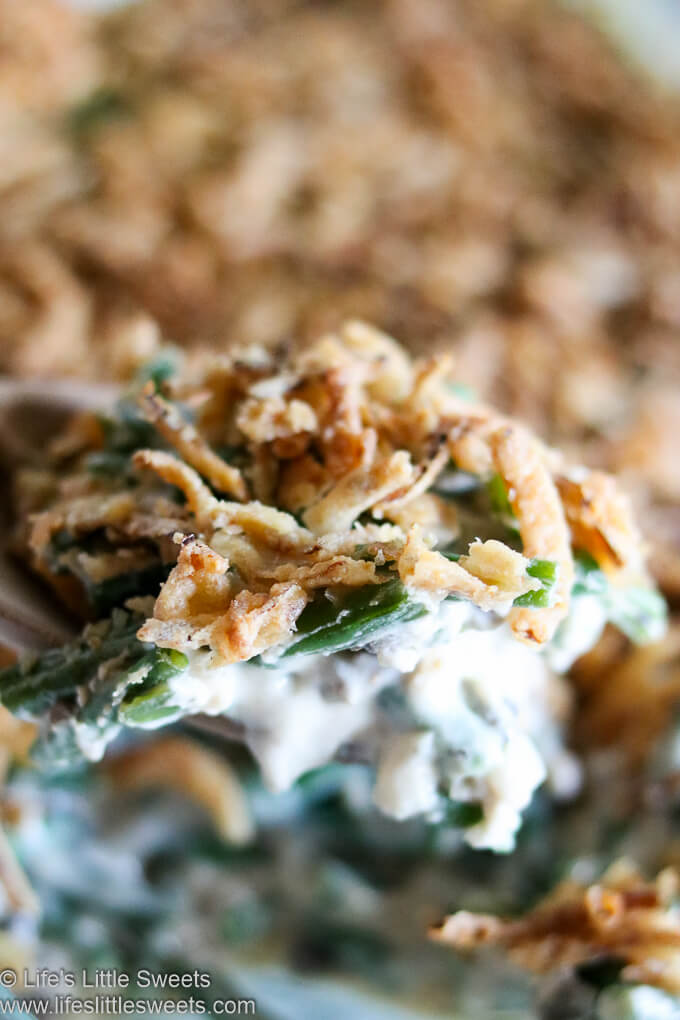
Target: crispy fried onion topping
pixel 83 513
pixel 483 442
pixel 198 607
pixel 601 521
pixel 627 697
pixel 185 767
pixel 182 435
pixel 333 441
pixel 620 917
pixel 491 575
pixel 541 522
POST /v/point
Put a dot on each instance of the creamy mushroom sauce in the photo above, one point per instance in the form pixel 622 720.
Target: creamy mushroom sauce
pixel 447 706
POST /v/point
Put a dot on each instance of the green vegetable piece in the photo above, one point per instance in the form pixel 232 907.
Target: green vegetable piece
pixel 151 704
pixel 601 971
pixel 105 595
pixel 35 684
pixel 158 370
pixel 327 626
pixel 328 945
pixel 498 496
pixel 640 613
pixel 152 708
pixel 246 921
pixel 463 814
pixel 101 106
pixel 322 783
pixel 127 431
pixel 462 390
pixel 544 570
pixel 110 593
pixel 107 464
pixel 540 598
pixel 588 578
pixel 93 674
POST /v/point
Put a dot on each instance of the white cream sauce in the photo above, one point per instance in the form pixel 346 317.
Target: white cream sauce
pixel 480 721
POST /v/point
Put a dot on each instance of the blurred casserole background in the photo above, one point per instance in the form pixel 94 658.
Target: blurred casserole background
pixel 490 176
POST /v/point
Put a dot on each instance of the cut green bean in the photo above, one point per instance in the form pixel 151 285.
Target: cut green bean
pixel 462 814
pixel 35 684
pixel 100 107
pixel 640 613
pixel 329 625
pixel 105 595
pixel 108 464
pixel 152 708
pixel 498 496
pixel 92 673
pixel 546 572
pixel 152 704
pixel 588 578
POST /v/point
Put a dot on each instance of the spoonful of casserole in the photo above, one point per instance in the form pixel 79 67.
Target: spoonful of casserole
pixel 340 553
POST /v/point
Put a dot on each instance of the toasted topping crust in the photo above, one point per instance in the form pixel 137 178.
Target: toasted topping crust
pixel 627 697
pixel 360 490
pixel 621 916
pixel 541 522
pixel 198 606
pixel 182 765
pixel 491 576
pixel 601 520
pixel 266 419
pixel 190 445
pixel 84 513
pixel 334 440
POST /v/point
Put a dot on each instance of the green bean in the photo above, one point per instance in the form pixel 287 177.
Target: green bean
pixel 152 704
pixel 152 708
pixel 340 945
pixel 498 497
pixel 92 673
pixel 159 369
pixel 101 106
pixel 35 684
pixel 546 572
pixel 127 430
pixel 462 814
pixel 328 625
pixel 639 612
pixel 108 464
pixel 601 971
pixel 111 592
pixel 588 578
pixel 105 595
